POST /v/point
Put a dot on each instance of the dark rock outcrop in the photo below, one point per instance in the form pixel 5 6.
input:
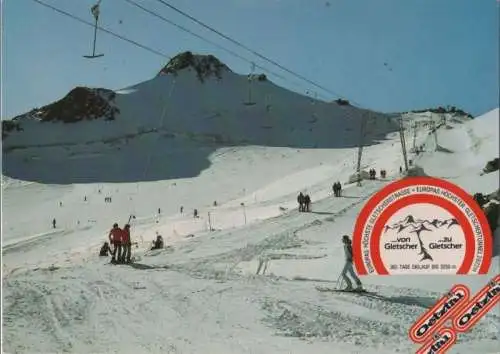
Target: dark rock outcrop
pixel 204 65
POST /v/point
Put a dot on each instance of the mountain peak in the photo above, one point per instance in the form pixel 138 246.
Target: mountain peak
pixel 81 103
pixel 204 65
pixel 409 219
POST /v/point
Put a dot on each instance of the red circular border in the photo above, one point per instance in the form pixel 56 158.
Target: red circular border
pixel 470 246
pixel 416 181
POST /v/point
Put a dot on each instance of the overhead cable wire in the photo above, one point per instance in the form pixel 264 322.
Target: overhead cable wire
pixel 241 45
pixel 149 49
pixel 103 29
pixel 202 38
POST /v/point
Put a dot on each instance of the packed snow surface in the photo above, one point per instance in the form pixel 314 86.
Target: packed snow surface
pixel 202 293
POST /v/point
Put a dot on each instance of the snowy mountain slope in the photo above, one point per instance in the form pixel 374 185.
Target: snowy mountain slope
pixel 462 153
pixel 203 294
pixel 178 118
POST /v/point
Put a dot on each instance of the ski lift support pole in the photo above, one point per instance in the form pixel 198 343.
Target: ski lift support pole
pixel 360 146
pixel 95 34
pixel 403 142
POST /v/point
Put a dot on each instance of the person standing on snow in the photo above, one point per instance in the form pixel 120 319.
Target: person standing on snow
pixel 307 203
pixel 115 238
pixel 126 245
pixel 348 267
pixel 300 200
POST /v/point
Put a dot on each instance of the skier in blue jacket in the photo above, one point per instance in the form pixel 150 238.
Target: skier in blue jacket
pixel 348 267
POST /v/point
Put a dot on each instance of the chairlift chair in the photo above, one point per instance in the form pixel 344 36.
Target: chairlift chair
pixel 95 12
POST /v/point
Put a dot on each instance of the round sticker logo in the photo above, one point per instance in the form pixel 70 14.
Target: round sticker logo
pixel 422 225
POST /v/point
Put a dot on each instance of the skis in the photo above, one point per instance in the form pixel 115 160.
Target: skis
pixel 133 260
pixel 353 291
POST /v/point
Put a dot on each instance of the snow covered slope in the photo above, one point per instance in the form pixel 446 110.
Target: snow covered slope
pixel 462 152
pixel 202 294
pixel 174 142
pixel 176 117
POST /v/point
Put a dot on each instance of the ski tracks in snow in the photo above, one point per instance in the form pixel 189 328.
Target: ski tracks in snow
pixel 202 301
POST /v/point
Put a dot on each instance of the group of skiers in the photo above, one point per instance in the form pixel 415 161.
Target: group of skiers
pixel 122 245
pixel 337 189
pixel 372 173
pixel 304 202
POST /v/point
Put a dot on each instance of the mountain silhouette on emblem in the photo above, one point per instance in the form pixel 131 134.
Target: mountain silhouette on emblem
pixel 417 226
pixel 410 221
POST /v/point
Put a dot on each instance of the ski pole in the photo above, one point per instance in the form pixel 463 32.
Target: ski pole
pixel 340 280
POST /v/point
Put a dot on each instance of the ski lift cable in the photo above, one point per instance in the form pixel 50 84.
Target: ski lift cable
pixel 233 53
pixel 151 50
pixel 161 121
pixel 103 29
pixel 133 3
pixel 239 44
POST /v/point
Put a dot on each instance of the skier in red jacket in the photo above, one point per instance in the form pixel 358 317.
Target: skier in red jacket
pixel 115 238
pixel 126 244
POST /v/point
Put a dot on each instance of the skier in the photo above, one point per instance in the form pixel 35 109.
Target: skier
pixel 339 189
pixel 400 169
pixel 307 203
pixel 105 250
pixel 182 209
pixel 334 188
pixel 115 238
pixel 195 213
pixel 300 200
pixel 126 244
pixel 158 243
pixel 54 223
pixel 159 211
pixel 348 267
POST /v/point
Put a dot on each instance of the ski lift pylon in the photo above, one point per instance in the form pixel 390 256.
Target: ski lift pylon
pixel 95 12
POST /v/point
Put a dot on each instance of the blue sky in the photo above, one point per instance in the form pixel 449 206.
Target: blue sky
pixel 441 52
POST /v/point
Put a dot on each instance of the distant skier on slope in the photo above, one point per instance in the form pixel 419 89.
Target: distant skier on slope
pixel 54 223
pixel 337 188
pixel 300 200
pixel 348 267
pixel 158 243
pixel 307 203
